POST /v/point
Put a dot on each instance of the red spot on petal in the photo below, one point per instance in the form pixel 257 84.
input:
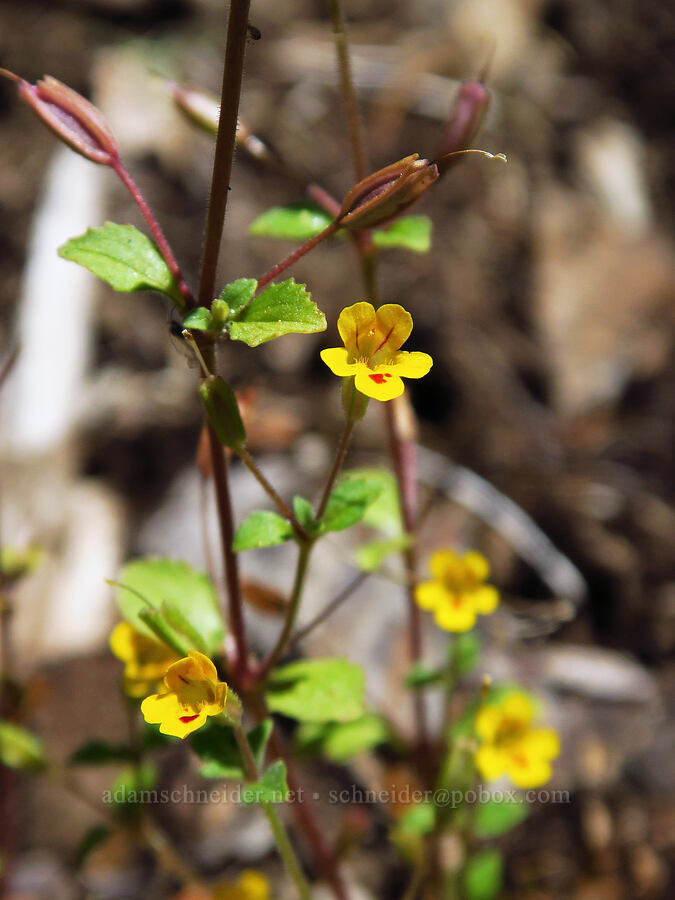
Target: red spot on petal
pixel 186 719
pixel 379 378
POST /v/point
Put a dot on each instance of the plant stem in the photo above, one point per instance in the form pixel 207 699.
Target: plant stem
pixel 280 836
pixel 330 607
pixel 348 92
pixel 335 468
pixel 297 254
pixel 281 505
pixel 163 245
pixel 225 143
pixel 291 613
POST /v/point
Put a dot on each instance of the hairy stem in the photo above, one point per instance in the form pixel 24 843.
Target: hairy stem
pixel 279 832
pixel 225 143
pixel 297 254
pixel 281 505
pixel 157 233
pixel 347 88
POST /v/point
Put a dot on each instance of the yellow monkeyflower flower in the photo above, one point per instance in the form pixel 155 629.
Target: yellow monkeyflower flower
pixel 371 350
pixel 250 885
pixel 458 593
pixel 145 660
pixel 510 745
pixel 191 693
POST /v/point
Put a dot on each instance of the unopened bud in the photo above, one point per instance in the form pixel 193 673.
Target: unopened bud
pixel 222 410
pixel 464 121
pixel 71 117
pixel 199 107
pixel 386 193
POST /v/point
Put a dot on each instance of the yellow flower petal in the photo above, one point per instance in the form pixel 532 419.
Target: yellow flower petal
pixel 527 771
pixel 488 720
pixel 444 563
pixel 477 565
pixel 250 885
pixel 336 358
pixel 158 707
pixel 411 365
pixel 518 707
pixel 395 326
pixel 378 385
pixel 455 613
pixel 354 323
pixel 429 595
pixel 485 599
pixel 542 742
pixel 491 762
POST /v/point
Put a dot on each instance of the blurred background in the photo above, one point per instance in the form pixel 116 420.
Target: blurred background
pixel 547 424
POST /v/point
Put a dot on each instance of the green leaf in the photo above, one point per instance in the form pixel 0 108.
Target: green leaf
pixel 271 788
pixel 495 817
pixel 93 838
pixel 384 513
pixel 285 308
pixel 262 529
pixel 417 821
pixel 125 258
pixel 238 293
pixel 342 741
pixel 172 589
pixel 370 556
pixel 464 653
pixel 483 875
pixel 99 753
pixel 304 514
pixel 155 622
pixel 411 233
pixel 199 319
pixel 19 749
pixel 420 676
pixel 348 503
pixel 317 690
pixel 297 222
pixel 130 788
pixel 217 748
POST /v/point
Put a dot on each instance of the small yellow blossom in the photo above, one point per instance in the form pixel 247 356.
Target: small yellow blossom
pixel 191 693
pixel 145 660
pixel 371 350
pixel 458 593
pixel 510 745
pixel 250 885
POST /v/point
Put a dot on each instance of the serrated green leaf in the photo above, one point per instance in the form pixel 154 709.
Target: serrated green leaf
pixel 154 581
pixel 100 753
pixel 370 556
pixel 238 293
pixel 285 308
pixel 495 817
pixel 421 676
pixel 342 741
pixel 219 752
pixel 410 233
pixel 418 820
pixel 19 749
pixel 297 222
pixel 199 319
pixel 262 529
pixel 483 875
pixel 124 258
pixel 93 838
pixel 271 788
pixel 348 503
pixel 384 513
pixel 317 690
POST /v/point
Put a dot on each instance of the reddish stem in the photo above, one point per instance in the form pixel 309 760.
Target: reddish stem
pixel 297 254
pixel 163 245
